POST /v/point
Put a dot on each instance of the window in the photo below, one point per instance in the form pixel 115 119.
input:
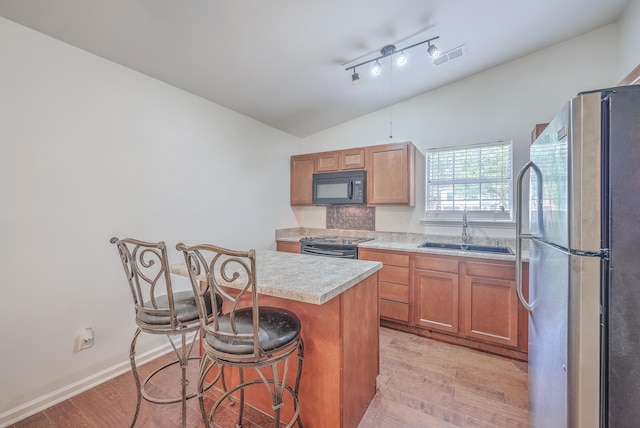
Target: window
pixel 476 178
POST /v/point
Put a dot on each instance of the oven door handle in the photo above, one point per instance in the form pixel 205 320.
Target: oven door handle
pixel 329 253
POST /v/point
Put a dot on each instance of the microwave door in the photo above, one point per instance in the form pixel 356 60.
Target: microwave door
pixel 330 191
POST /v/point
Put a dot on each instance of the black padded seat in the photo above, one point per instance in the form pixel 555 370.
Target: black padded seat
pixel 277 327
pixel 184 303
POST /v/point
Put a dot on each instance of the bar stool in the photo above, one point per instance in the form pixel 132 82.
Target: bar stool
pixel 159 310
pixel 253 337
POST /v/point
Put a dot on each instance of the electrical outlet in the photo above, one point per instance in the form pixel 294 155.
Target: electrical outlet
pixel 85 339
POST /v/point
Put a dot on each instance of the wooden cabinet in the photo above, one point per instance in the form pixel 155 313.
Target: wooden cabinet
pixel 288 246
pixel 327 161
pixel 394 283
pixel 436 294
pixel 352 159
pixel 462 300
pixel 537 130
pixel 340 160
pixel 491 303
pixel 341 363
pixel 391 174
pixel 302 169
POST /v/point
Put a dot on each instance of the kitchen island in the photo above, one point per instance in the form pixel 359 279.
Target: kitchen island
pixel 337 303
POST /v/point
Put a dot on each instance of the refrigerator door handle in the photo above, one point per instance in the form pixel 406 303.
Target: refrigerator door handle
pixel 519 235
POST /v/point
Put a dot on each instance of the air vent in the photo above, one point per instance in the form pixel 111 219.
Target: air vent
pixel 449 56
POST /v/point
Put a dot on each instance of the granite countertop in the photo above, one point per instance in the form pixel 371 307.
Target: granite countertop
pixel 301 277
pixel 409 242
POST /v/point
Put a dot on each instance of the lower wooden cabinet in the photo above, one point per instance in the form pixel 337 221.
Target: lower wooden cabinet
pixel 288 246
pixel 395 279
pixel 461 300
pixel 436 296
pixel 491 302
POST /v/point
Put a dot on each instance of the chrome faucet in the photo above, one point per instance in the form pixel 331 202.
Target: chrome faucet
pixel 465 235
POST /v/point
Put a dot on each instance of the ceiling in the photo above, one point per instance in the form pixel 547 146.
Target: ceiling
pixel 282 62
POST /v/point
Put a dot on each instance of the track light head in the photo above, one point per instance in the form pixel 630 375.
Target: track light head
pixel 402 58
pixel 376 68
pixel 355 77
pixel 433 50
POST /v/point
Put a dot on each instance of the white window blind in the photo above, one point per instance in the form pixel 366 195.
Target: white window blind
pixel 475 178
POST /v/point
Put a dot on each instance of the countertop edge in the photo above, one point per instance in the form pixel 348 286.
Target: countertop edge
pixel 272 284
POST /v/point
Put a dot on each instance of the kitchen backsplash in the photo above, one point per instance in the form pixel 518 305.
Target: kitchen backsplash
pixel 351 217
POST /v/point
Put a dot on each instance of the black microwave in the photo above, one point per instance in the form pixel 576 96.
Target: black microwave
pixel 344 187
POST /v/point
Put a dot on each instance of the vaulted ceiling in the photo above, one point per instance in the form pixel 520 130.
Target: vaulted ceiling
pixel 283 62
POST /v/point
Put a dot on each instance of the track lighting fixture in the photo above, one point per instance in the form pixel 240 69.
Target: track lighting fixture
pixel 390 50
pixel 376 68
pixel 432 50
pixel 355 77
pixel 402 58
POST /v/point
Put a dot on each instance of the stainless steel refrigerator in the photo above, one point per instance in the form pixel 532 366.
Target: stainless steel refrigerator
pixel 584 263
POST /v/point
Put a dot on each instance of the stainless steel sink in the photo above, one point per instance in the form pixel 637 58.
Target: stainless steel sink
pixel 467 247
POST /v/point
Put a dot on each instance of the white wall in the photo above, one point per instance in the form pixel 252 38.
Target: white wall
pixel 503 103
pixel 91 150
pixel 629 47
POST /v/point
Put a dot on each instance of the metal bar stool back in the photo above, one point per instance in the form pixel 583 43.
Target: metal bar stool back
pixel 160 310
pixel 245 335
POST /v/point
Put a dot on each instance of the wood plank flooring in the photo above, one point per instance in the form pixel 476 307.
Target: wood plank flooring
pixel 426 383
pixel 422 383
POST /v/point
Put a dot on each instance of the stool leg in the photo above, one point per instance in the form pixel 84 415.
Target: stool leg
pixel 136 377
pixel 297 387
pixel 241 409
pixel 184 362
pixel 277 392
pixel 205 365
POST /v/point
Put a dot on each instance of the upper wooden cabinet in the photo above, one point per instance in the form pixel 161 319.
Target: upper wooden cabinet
pixel 537 130
pixel 327 161
pixel 391 174
pixel 302 169
pixel 352 159
pixel 340 160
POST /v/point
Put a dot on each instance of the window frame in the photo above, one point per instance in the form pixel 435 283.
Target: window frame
pixel 486 217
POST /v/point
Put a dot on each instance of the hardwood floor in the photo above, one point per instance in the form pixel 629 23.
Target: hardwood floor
pixel 426 383
pixel 422 383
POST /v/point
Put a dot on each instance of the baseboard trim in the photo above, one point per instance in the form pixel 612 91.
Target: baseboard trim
pixel 39 404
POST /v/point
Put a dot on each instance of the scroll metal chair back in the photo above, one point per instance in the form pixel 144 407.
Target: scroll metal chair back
pixel 245 335
pixel 160 310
